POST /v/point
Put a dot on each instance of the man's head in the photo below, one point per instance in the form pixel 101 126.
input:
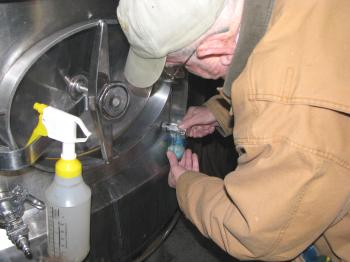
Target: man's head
pixel 211 55
pixel 157 28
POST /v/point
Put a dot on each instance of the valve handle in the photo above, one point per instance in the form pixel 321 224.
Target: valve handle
pixel 22 196
pixel 35 202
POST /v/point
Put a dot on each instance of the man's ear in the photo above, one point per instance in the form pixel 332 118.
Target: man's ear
pixel 226 59
pixel 221 44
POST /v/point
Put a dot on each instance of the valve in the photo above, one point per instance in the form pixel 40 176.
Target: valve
pixel 11 212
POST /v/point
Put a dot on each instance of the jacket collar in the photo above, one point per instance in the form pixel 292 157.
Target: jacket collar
pixel 255 20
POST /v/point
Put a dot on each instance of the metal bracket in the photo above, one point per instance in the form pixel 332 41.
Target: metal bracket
pixel 98 78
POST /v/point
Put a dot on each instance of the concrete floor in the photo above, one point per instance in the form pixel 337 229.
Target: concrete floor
pixel 186 244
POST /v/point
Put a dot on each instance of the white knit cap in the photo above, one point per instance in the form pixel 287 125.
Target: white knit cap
pixel 156 28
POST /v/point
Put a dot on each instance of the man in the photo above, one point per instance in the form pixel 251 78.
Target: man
pixel 291 106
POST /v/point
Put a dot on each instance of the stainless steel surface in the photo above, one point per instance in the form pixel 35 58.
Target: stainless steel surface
pixel 16 159
pixel 175 76
pixel 159 240
pixel 71 55
pixel 23 157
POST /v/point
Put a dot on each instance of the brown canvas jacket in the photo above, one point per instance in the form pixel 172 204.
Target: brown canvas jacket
pixel 291 106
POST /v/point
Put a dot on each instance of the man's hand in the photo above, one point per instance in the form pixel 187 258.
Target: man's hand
pixel 198 122
pixel 188 162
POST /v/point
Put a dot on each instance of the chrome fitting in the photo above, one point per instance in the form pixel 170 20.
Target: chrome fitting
pixel 174 128
pixel 11 212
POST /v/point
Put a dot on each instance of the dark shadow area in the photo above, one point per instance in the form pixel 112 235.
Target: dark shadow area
pixel 186 244
pixel 217 154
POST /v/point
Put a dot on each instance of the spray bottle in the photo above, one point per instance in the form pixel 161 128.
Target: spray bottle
pixel 68 198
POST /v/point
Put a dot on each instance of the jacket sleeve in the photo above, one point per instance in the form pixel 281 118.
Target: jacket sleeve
pixel 278 201
pixel 220 107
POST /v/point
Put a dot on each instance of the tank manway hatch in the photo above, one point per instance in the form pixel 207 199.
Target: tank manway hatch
pixel 71 55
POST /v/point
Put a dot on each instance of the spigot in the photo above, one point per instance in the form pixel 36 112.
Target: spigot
pixel 173 128
pixel 11 212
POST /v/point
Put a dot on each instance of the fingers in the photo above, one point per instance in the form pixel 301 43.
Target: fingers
pixel 183 160
pixel 198 115
pixel 190 112
pixel 172 158
pixel 188 159
pixel 189 162
pixel 195 162
pixel 200 131
pixel 173 168
pixel 171 180
pixel 187 120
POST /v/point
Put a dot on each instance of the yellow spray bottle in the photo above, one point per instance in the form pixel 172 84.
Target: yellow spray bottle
pixel 68 198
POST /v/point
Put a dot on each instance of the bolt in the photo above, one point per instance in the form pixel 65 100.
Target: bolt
pixel 115 102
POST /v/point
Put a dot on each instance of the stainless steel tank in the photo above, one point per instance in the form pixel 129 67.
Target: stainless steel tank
pixel 70 54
